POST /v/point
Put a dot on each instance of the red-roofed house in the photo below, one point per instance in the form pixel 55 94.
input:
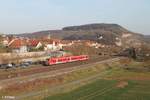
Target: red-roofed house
pixel 35 44
pixel 18 45
pixel 51 44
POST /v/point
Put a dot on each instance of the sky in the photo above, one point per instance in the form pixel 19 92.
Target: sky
pixel 20 16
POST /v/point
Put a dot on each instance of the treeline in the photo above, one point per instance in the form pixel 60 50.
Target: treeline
pixel 141 54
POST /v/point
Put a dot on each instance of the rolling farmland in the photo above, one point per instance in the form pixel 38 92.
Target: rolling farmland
pixel 118 84
pixel 108 90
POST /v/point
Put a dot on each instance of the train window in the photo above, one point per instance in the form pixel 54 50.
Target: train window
pixel 74 58
pixel 59 60
pixel 63 59
pixel 68 58
pixel 79 57
pixel 53 60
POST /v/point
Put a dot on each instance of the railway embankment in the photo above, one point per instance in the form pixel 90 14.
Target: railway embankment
pixel 40 82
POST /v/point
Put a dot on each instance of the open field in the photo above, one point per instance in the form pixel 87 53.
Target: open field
pixel 108 90
pixel 118 84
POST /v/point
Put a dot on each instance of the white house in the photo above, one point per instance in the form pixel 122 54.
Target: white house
pixel 18 46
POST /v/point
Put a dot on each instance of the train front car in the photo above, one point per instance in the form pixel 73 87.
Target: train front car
pixel 52 61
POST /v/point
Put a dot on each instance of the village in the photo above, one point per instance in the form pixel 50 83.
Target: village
pixel 24 51
pixel 16 44
pixel 74 50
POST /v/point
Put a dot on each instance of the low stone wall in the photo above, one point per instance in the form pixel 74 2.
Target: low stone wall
pixel 30 56
pixel 9 57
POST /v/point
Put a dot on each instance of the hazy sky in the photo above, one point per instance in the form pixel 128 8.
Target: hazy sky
pixel 19 16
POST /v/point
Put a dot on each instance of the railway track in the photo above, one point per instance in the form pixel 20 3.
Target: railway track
pixel 76 82
pixel 13 73
pixel 53 73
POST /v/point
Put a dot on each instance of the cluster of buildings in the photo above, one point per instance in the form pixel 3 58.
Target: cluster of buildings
pixel 23 45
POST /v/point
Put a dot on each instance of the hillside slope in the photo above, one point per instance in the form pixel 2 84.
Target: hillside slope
pixel 110 34
pixel 147 38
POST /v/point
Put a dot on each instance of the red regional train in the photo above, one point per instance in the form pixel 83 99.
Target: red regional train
pixel 60 60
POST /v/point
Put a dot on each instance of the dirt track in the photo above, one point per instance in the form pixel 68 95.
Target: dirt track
pixel 11 73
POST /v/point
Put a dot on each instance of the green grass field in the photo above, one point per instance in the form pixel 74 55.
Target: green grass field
pixel 118 84
pixel 108 90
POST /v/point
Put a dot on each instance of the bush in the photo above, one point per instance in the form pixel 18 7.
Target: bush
pixel 4 49
pixel 36 49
